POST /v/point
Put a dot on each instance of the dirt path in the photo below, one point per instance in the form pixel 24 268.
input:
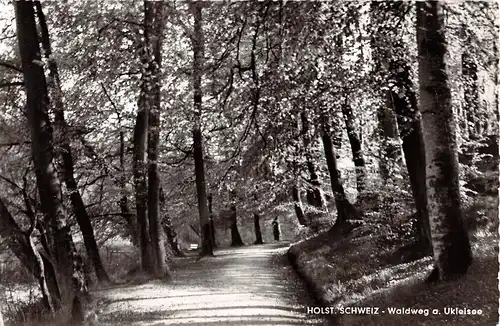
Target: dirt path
pixel 252 285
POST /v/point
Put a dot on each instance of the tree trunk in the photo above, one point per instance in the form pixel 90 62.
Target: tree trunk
pixel 155 10
pixel 389 148
pixel 299 212
pixel 122 183
pixel 212 225
pixel 356 149
pixel 70 278
pixel 313 197
pixel 25 250
pixel 169 230
pixel 236 240
pixel 198 50
pixel 471 91
pixel 403 100
pixel 258 232
pixel 345 210
pixel 65 152
pixel 452 251
pixel 139 157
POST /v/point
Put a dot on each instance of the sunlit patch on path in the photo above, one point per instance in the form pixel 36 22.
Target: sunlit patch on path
pixel 251 285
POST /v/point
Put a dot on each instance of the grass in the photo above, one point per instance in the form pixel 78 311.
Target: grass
pixel 365 269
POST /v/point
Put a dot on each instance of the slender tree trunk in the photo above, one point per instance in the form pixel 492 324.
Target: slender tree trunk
pixel 314 197
pixel 471 91
pixel 70 278
pixel 389 148
pixel 297 204
pixel 123 202
pixel 139 157
pixel 345 210
pixel 350 123
pixel 235 234
pixel 65 152
pixel 198 50
pixel 155 230
pixel 212 225
pixel 168 229
pixel 258 232
pixel 356 149
pixel 452 251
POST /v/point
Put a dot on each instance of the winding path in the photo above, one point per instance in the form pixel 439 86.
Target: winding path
pixel 252 285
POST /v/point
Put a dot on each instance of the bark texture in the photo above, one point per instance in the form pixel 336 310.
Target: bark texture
pixel 452 251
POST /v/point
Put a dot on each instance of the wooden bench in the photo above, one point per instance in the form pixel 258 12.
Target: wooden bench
pixel 193 246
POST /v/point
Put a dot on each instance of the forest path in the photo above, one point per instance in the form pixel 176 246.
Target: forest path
pixel 250 285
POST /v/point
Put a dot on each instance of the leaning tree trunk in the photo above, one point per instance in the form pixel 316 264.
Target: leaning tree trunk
pixel 401 98
pixel 350 124
pixel 65 152
pixel 70 276
pixel 345 210
pixel 168 229
pixel 155 9
pixel 198 50
pixel 236 240
pixel 405 106
pixel 452 250
pixel 356 149
pixel 258 232
pixel 25 250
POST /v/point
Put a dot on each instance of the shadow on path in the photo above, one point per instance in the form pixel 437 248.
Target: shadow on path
pixel 251 285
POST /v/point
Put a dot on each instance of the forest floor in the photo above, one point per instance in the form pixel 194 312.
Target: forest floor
pixel 251 285
pixel 362 270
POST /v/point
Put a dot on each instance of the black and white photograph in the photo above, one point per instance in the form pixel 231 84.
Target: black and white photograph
pixel 249 162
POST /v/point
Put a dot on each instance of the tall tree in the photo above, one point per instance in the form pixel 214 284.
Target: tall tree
pixel 198 51
pixel 70 276
pixel 401 97
pixel 155 9
pixel 139 165
pixel 65 152
pixel 452 250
